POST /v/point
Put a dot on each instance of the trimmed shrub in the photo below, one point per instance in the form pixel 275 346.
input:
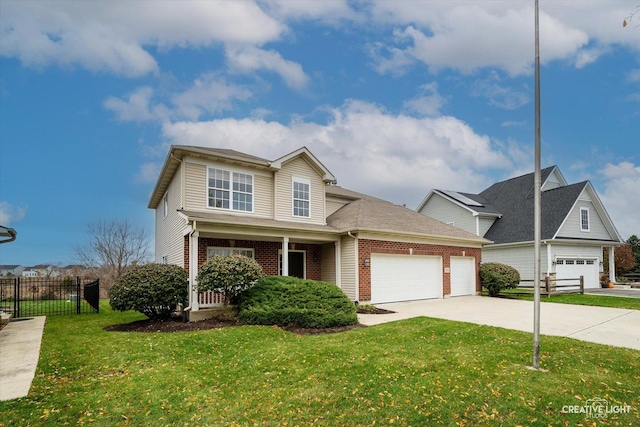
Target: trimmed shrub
pixel 289 301
pixel 495 277
pixel 228 275
pixel 152 289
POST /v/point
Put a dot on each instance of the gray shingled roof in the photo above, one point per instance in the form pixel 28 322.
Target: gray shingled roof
pixel 378 215
pixel 514 199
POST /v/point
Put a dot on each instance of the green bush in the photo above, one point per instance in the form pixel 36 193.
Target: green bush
pixel 495 277
pixel 228 275
pixel 152 289
pixel 289 301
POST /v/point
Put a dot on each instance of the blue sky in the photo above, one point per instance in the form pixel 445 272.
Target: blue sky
pixel 395 98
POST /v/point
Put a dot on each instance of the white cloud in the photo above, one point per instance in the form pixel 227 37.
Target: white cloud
pixel 133 109
pixel 498 95
pixel 149 172
pixel 10 213
pixel 428 102
pixel 397 157
pixel 325 11
pixel 250 59
pixel 621 196
pixel 468 36
pixel 209 93
pixel 113 36
pixel 633 76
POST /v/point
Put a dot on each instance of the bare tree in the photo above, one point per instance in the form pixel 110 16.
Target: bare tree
pixel 112 247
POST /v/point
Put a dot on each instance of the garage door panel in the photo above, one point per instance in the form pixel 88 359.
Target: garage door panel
pixel 463 276
pixel 405 277
pixel 572 268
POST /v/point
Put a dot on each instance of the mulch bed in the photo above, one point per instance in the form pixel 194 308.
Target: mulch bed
pixel 177 325
pixel 375 311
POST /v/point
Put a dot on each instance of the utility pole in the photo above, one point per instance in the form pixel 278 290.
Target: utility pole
pixel 537 206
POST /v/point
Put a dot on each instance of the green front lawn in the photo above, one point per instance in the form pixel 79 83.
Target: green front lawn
pixel 597 300
pixel 417 372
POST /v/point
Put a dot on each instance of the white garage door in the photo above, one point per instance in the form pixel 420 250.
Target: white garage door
pixel 405 277
pixel 570 268
pixel 463 276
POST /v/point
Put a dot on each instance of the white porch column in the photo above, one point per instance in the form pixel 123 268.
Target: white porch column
pixel 612 265
pixel 338 264
pixel 193 269
pixel 549 260
pixel 285 256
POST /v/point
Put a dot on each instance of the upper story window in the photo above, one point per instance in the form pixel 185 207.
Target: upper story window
pixel 165 205
pixel 230 190
pixel 584 219
pixel 301 197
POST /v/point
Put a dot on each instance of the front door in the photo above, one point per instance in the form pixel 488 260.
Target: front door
pixel 296 264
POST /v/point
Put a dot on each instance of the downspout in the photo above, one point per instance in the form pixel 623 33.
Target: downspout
pixel 357 284
pixel 190 289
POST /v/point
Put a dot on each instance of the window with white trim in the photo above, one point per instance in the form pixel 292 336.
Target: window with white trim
pixel 220 251
pixel 165 205
pixel 230 190
pixel 301 197
pixel 584 219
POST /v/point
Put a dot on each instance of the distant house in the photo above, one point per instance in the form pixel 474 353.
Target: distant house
pixel 29 272
pixel 576 228
pixel 13 270
pixel 289 215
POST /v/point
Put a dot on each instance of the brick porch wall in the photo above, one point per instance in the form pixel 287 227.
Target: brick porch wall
pixel 266 253
pixel 367 247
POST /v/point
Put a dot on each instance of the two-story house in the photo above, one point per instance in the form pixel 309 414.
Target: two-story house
pixel 289 215
pixel 576 229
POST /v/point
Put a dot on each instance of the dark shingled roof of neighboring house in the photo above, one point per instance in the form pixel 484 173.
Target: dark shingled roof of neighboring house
pixel 514 199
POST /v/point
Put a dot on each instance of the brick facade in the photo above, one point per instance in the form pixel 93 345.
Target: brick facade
pixel 265 253
pixel 367 247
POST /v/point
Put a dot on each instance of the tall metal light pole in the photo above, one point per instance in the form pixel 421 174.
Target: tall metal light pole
pixel 537 207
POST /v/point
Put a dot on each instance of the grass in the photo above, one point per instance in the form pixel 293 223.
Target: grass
pixel 416 372
pixel 578 299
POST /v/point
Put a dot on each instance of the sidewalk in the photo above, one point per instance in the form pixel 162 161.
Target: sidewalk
pixel 19 354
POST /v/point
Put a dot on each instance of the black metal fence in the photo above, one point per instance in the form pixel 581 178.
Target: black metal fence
pixel 48 296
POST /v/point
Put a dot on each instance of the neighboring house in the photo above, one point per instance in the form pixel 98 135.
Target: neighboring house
pixel 576 228
pixel 14 270
pixel 29 272
pixel 47 270
pixel 289 215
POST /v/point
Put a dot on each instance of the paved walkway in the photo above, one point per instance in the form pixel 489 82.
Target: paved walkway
pixel 615 292
pixel 19 354
pixel 613 326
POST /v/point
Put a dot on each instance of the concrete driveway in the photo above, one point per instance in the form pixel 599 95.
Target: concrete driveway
pixel 612 326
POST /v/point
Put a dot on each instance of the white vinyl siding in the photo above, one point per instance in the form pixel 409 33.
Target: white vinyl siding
pixel 349 269
pixel 333 206
pixel 572 226
pixel 299 168
pixel 169 241
pixel 195 186
pixel 328 264
pixel 520 258
pixel 485 225
pixel 446 211
pixel 405 277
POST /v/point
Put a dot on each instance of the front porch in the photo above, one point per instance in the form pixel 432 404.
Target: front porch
pixel 286 256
